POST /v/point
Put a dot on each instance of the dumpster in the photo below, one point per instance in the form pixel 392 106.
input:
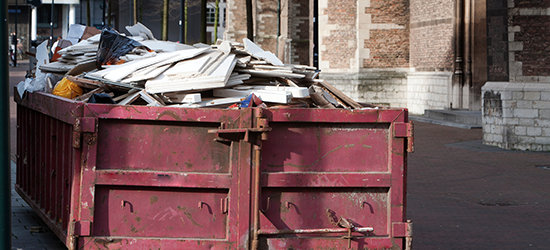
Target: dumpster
pixel 138 177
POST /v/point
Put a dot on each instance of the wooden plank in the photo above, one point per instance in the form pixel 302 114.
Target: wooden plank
pixel 86 96
pixel 84 83
pixel 120 97
pixel 343 97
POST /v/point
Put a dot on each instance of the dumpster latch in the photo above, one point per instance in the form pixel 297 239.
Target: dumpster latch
pixel 237 134
pixel 405 130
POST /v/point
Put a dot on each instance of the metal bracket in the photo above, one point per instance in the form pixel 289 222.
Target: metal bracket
pixel 237 134
pixel 83 125
pixel 83 228
pixel 405 130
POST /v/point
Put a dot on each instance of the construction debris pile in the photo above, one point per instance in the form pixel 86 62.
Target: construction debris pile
pixel 140 70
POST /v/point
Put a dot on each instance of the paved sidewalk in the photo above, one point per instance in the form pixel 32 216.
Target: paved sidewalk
pixel 465 195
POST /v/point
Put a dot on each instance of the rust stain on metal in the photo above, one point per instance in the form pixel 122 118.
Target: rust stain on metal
pixel 190 217
pixel 153 199
pixel 169 113
pixel 306 166
pixel 188 164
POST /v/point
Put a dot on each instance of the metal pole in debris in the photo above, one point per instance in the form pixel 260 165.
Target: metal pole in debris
pixel 5 166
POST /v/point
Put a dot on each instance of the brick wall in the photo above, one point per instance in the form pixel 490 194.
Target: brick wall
pixel 299 32
pixel 497 40
pixel 340 48
pixel 337 34
pixel 432 35
pixel 236 20
pixel 532 44
pixel 388 47
pixel 518 40
pixel 266 24
pixel 516 115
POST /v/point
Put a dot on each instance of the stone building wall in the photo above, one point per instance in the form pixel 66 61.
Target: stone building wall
pixel 517 115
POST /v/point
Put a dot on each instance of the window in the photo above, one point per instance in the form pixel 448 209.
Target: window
pixel 210 15
pixel 43 16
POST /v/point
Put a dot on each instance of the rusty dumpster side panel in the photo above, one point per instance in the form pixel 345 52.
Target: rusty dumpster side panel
pixel 137 177
pixel 47 159
pixel 321 168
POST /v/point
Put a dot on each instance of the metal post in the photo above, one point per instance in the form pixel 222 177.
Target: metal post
pixel 103 17
pixel 15 47
pixel 182 27
pixel 5 166
pixel 51 28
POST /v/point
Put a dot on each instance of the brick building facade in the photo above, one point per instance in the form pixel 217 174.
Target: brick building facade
pixel 417 54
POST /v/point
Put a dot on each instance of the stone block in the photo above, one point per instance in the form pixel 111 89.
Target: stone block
pixel 505 95
pixel 511 121
pixel 531 95
pixel 526 139
pixel 488 137
pixel 516 68
pixel 536 147
pixel 496 129
pixel 514 28
pixel 534 131
pixel 522 104
pixel 526 113
pixel 520 130
pixel 508 112
pixel 497 138
pixel 542 140
pixel 510 104
pixel 546 132
pixel 526 122
pixel 488 119
pixel 541 105
pixel 517 95
pixel 515 46
pixel 545 123
pixel 545 96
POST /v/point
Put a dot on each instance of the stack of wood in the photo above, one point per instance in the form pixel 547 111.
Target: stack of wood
pixel 209 76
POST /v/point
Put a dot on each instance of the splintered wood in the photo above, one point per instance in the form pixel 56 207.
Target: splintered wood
pixel 173 74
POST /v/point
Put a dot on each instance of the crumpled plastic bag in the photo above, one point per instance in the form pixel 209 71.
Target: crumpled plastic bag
pixel 42 82
pixel 67 89
pixel 113 45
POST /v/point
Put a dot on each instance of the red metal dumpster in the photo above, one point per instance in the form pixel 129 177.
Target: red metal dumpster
pixel 136 177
